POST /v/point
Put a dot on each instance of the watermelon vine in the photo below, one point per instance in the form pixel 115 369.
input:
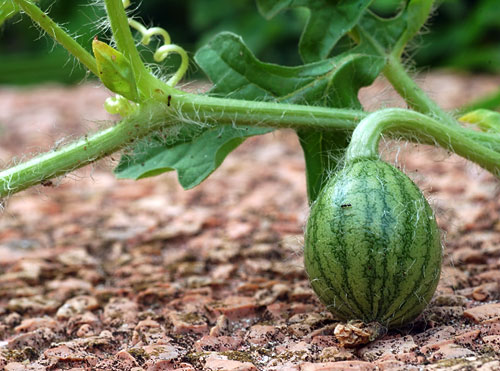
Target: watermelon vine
pixel 373 250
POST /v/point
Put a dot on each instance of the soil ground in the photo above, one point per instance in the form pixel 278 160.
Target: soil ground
pixel 102 274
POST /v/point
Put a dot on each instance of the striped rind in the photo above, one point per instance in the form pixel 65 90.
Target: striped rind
pixel 372 248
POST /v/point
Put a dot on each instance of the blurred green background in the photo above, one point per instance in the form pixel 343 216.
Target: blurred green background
pixel 463 34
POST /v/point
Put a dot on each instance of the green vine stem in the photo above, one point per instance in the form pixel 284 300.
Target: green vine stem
pixel 154 116
pixel 171 106
pixel 366 137
pixel 58 34
pixel 188 108
pixel 414 96
pixel 123 37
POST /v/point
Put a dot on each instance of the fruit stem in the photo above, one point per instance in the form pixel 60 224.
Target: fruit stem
pixel 366 137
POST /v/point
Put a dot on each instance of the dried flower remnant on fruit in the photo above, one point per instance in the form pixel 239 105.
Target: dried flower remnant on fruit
pixel 356 333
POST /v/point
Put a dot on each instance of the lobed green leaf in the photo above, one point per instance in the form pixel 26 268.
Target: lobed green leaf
pixel 194 160
pixel 325 80
pixel 327 23
pixel 334 82
pixel 237 73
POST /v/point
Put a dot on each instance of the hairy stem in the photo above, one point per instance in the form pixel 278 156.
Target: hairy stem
pixel 418 13
pixel 414 96
pixel 396 74
pixel 58 34
pixel 268 114
pixel 366 136
pixel 154 116
pixel 197 109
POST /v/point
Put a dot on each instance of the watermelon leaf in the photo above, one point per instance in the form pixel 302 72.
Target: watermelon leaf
pixel 324 80
pixel 194 160
pixel 237 73
pixel 334 82
pixel 328 22
pixel 392 34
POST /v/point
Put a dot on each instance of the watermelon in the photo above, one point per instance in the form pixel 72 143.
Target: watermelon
pixel 372 245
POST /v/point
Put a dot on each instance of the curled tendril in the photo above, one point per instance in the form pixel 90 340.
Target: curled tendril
pixel 147 33
pixel 163 51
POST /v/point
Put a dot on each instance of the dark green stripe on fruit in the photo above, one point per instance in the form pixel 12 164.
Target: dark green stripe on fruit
pixel 341 254
pixel 422 220
pixel 330 287
pixel 404 194
pixel 328 293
